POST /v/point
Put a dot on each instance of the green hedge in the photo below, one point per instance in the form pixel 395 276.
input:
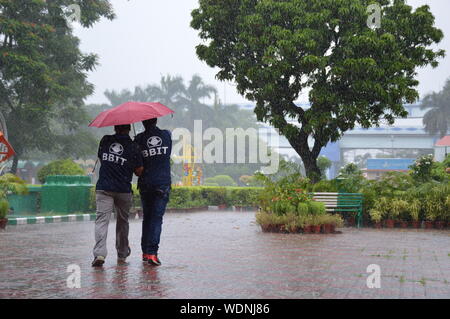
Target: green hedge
pixel 203 196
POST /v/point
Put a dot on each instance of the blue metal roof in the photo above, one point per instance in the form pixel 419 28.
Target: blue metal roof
pixel 332 151
pixel 394 164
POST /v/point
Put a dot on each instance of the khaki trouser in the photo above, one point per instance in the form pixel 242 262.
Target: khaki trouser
pixel 107 202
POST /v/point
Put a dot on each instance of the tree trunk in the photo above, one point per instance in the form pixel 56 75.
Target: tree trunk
pixel 15 164
pixel 299 140
pixel 309 158
pixel 312 170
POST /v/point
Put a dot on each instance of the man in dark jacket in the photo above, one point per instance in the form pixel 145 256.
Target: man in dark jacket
pixel 120 158
pixel 154 186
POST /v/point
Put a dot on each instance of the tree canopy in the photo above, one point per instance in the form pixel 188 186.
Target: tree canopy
pixel 43 72
pixel 356 75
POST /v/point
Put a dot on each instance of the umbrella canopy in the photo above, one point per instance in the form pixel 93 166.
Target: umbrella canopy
pixel 130 113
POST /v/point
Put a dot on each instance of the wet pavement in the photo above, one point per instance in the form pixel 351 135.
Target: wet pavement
pixel 225 255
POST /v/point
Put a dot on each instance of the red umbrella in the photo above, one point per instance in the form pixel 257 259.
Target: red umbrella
pixel 130 113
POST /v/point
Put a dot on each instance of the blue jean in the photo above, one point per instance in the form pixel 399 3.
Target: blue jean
pixel 154 201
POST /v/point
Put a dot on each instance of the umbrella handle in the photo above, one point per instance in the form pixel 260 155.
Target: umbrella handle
pixel 134 129
pixel 95 166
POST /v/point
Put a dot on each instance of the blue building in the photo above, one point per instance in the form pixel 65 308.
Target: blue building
pixel 405 139
pixel 377 167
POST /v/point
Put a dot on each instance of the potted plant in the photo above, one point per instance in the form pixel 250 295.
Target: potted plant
pixel 292 227
pixel 326 221
pixel 316 210
pixel 392 213
pixel 308 228
pixel 302 209
pixel 336 222
pixel 381 209
pixel 430 213
pixel 401 207
pixel 270 222
pixel 330 222
pixel 414 213
pixel 376 216
pixel 315 224
pixel 441 211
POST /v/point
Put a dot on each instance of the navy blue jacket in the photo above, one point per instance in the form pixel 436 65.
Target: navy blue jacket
pixel 119 157
pixel 156 147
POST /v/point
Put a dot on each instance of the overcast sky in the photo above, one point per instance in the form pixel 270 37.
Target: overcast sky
pixel 151 38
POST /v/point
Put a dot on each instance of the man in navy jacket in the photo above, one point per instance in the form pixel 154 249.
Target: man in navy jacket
pixel 120 158
pixel 154 186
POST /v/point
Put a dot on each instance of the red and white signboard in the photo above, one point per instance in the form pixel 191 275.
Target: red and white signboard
pixel 6 150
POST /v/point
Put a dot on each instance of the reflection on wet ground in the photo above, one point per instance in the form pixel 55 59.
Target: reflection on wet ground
pixel 225 255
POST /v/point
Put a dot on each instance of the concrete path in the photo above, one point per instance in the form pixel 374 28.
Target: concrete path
pixel 225 255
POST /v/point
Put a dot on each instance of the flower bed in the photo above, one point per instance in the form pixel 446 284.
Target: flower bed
pixel 296 223
pixel 426 205
pixel 288 208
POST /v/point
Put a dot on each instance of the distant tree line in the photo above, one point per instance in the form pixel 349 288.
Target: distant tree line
pixel 437 119
pixel 191 101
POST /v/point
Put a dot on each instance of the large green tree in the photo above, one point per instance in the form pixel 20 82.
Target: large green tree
pixel 42 70
pixel 437 119
pixel 277 49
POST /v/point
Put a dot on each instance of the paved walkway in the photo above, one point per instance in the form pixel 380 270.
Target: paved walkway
pixel 225 255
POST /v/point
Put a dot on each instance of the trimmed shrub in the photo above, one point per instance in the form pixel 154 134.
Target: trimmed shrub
pixel 215 196
pixel 180 197
pixel 291 209
pixel 243 196
pixel 62 167
pixel 316 208
pixel 325 187
pixel 303 209
pixel 221 180
pixel 201 196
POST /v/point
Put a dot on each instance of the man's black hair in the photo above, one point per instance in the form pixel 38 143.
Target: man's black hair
pixel 148 124
pixel 122 129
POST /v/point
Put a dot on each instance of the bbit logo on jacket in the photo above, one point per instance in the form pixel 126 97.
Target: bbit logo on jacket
pixel 116 149
pixel 154 141
pixel 115 152
pixel 155 147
